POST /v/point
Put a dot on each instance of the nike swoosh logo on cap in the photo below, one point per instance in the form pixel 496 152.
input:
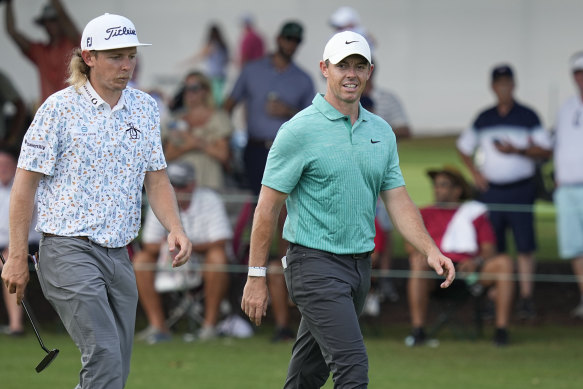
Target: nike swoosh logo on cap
pixel 349 42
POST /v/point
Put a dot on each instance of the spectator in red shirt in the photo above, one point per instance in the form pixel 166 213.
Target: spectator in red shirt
pixel 50 58
pixel 463 233
pixel 251 46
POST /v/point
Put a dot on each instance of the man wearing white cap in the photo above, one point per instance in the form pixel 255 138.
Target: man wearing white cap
pixel 329 163
pixel 88 153
pixel 568 160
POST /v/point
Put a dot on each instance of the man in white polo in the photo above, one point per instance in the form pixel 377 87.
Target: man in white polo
pixel 568 160
pixel 90 150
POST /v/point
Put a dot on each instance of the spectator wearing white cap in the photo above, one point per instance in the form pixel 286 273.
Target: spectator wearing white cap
pixel 346 18
pixel 87 155
pixel 568 160
pixel 329 164
pixel 50 58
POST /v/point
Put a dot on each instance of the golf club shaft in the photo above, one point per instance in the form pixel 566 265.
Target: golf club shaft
pixel 28 314
pixel 40 341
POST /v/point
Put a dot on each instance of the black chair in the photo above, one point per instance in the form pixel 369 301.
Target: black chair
pixel 460 308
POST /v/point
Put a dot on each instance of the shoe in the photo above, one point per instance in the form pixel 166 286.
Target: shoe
pixel 578 311
pixel 206 333
pixel 525 309
pixel 145 333
pixel 372 305
pixel 501 337
pixel 417 338
pixel 283 334
pixel 158 337
pixel 5 330
pixel 235 326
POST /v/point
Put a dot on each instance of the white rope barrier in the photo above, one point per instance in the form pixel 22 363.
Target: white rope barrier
pixel 393 274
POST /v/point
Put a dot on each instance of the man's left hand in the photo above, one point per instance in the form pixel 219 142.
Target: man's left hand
pixel 443 266
pixel 180 248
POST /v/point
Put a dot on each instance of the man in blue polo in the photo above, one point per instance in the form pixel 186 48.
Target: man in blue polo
pixel 510 137
pixel 329 163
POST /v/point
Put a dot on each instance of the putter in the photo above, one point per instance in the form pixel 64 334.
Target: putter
pixel 51 354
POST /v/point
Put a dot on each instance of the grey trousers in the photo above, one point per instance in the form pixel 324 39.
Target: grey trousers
pixel 329 291
pixel 93 289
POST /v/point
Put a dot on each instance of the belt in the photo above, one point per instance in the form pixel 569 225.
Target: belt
pixel 47 235
pixel 361 255
pixel 353 256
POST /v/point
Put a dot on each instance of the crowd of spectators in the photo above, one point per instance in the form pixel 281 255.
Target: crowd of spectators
pixel 500 149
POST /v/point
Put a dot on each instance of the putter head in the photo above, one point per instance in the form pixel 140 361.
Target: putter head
pixel 51 355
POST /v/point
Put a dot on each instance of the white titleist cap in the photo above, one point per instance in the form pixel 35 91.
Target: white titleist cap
pixel 108 31
pixel 346 43
pixel 577 61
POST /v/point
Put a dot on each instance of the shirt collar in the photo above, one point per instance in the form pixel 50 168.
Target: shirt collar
pixel 89 93
pixel 332 113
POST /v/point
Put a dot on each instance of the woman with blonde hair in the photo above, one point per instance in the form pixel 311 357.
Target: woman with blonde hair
pixel 199 133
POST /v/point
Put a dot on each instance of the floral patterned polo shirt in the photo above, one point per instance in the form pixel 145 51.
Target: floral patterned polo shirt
pixel 94 159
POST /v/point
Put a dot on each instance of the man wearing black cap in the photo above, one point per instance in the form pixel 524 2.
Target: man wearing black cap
pixel 274 89
pixel 463 233
pixel 509 137
pixel 50 58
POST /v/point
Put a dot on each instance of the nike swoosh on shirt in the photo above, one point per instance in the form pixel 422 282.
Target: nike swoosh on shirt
pixel 374 141
pixel 349 42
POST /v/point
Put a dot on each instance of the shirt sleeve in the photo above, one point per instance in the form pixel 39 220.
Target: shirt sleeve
pixel 393 175
pixel 484 230
pixel 239 91
pixel 157 159
pixel 285 162
pixel 542 138
pixel 41 142
pixel 467 141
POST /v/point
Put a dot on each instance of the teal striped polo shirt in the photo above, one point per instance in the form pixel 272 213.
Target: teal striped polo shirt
pixel 333 173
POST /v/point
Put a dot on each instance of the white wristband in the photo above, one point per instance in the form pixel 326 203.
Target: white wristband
pixel 257 271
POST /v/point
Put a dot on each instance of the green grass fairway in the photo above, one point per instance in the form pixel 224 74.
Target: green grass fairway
pixel 420 154
pixel 540 357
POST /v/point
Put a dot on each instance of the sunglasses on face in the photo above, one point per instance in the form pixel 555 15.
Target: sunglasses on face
pixel 193 88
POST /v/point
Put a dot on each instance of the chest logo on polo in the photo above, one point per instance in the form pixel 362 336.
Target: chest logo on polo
pixel 133 132
pixel 374 141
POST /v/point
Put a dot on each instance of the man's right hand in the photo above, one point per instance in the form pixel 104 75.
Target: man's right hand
pixel 480 181
pixel 254 301
pixel 15 276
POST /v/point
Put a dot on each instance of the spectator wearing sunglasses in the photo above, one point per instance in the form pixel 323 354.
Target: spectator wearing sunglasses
pixel 199 133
